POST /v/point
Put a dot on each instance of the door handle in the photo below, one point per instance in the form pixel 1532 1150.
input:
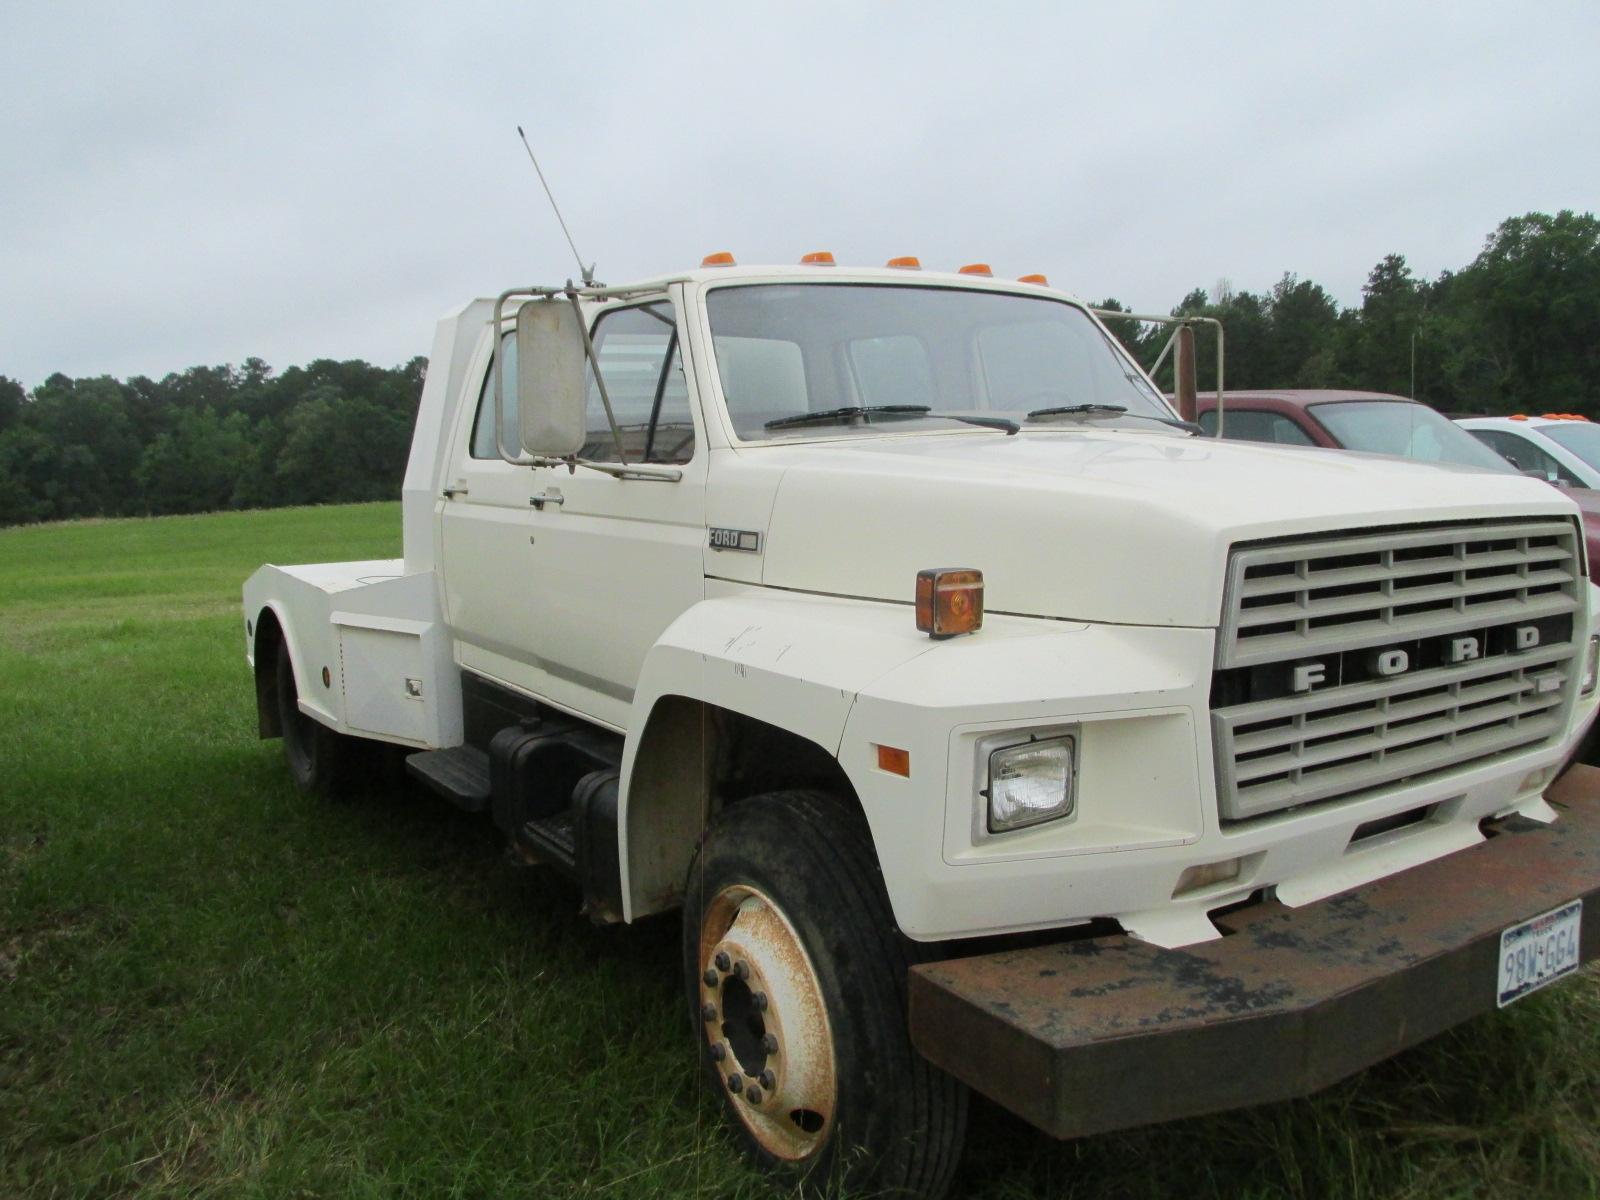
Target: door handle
pixel 450 493
pixel 544 498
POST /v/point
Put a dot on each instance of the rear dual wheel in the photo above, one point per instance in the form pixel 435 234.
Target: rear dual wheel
pixel 320 761
pixel 796 979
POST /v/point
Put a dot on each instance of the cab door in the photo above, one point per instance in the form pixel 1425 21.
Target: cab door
pixel 615 561
pixel 486 525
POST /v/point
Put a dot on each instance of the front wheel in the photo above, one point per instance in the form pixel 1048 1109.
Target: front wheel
pixel 796 979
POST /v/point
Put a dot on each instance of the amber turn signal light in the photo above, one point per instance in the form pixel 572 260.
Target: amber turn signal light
pixel 949 601
pixel 722 258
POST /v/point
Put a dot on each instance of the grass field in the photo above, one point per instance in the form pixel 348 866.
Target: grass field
pixel 210 986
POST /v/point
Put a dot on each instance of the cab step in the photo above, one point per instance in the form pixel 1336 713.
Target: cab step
pixel 459 774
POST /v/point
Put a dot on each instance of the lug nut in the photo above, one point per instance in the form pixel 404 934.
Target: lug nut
pixel 769 1080
pixel 710 977
pixel 742 969
pixel 753 1094
pixel 769 1043
pixel 722 961
pixel 735 1084
pixel 760 1001
pixel 708 1012
pixel 718 1052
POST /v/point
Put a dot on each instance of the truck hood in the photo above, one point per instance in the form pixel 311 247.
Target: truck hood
pixel 1128 528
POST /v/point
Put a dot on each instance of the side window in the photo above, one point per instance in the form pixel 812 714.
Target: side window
pixel 483 435
pixel 1247 425
pixel 643 371
pixel 1524 455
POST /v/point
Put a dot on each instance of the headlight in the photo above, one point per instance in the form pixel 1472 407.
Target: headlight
pixel 1591 665
pixel 1030 783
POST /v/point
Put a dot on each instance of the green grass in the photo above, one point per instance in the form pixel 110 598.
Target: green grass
pixel 210 986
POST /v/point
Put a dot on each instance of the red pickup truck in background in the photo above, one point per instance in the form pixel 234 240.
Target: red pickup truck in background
pixel 1371 423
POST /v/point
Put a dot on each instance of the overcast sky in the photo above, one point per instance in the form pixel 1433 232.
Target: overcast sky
pixel 187 184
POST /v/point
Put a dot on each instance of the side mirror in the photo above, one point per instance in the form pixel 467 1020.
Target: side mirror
pixel 550 362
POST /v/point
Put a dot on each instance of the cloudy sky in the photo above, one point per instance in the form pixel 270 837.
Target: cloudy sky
pixel 197 183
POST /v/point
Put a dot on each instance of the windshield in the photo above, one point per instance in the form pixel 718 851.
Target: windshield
pixel 1407 429
pixel 1580 437
pixel 798 358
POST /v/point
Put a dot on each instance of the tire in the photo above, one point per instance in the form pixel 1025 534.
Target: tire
pixel 796 981
pixel 319 759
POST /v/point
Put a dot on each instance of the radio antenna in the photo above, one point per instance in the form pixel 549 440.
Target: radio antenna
pixel 586 272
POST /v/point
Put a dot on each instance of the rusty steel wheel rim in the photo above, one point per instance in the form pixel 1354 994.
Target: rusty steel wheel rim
pixel 765 1022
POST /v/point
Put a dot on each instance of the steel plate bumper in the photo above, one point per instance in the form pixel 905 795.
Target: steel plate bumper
pixel 1088 1036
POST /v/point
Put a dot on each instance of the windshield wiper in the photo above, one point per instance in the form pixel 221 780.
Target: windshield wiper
pixel 901 410
pixel 1061 410
pixel 834 415
pixel 1005 423
pixel 1115 410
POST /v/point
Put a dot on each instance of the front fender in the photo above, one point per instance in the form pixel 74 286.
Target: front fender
pixel 791 660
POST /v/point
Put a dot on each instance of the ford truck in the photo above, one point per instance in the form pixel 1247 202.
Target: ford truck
pixel 990 728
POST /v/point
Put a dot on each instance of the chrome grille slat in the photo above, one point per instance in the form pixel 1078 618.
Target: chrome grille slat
pixel 1324 599
pixel 1358 635
pixel 1385 739
pixel 1281 735
pixel 1336 606
pixel 1405 569
pixel 1399 685
pixel 1361 778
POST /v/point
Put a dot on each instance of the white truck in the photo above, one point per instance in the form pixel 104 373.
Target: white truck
pixel 989 727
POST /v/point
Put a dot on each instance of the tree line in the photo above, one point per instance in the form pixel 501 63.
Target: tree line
pixel 1516 330
pixel 205 439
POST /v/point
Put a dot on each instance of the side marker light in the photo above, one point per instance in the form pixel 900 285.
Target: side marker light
pixel 895 761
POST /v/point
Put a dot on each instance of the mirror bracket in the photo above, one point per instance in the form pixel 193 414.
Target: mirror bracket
pixel 594 362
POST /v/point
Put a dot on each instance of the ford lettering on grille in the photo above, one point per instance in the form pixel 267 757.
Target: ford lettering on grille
pixel 1350 663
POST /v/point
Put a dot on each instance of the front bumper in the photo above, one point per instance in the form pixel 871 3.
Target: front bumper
pixel 1088 1036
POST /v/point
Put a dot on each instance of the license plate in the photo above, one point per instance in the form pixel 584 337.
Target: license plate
pixel 1538 951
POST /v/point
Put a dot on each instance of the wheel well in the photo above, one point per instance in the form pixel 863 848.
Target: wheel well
pixel 695 759
pixel 268 637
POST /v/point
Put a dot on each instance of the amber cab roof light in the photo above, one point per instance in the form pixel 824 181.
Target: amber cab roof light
pixel 949 601
pixel 817 258
pixel 906 262
pixel 975 269
pixel 1035 278
pixel 722 258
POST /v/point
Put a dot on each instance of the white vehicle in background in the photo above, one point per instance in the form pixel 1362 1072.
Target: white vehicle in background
pixel 1559 447
pixel 989 727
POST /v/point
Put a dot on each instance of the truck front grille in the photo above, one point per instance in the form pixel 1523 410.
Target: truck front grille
pixel 1348 663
